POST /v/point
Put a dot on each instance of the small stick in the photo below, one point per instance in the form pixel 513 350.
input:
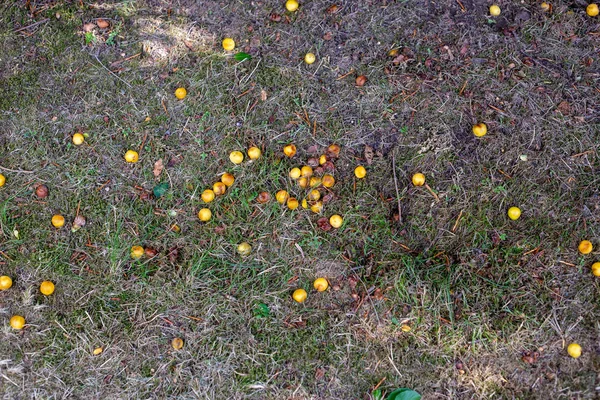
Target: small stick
pixel 380 382
pixel 345 75
pixel 566 263
pixel 396 186
pixel 18 171
pixel 432 193
pixel 77 212
pixel 125 59
pixel 143 142
pixel 464 86
pixel 112 73
pixel 31 26
pixel 165 107
pixel 582 154
pixel 4 254
pixel 461 6
pixel 505 174
pixel 497 109
pixel 531 251
pixel 457 221
pixel 103 185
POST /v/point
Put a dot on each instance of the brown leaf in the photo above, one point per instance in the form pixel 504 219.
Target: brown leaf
pixel 263 95
pixel 275 17
pixel 219 230
pixel 564 107
pixel 173 254
pixel 102 23
pixel 89 27
pixel 158 167
pixel 323 223
pixel 333 9
pixel 328 36
pixel 378 294
pixel 319 374
pixel 369 154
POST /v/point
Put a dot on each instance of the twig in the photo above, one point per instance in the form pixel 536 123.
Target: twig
pixel 461 6
pixel 19 171
pixel 31 26
pixel 566 263
pixel 432 193
pixel 457 221
pixel 345 75
pixel 582 154
pixel 380 382
pixel 4 254
pixel 125 59
pixel 112 73
pixel 396 186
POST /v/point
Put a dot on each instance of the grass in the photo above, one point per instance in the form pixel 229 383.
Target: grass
pixel 477 290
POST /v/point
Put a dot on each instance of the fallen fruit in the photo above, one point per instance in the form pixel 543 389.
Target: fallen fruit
pixel 494 10
pixel 227 179
pixel 323 159
pixel 315 181
pixel 291 5
pixel 2 180
pixel 78 223
pixel 282 196
pixel 78 139
pixel 585 247
pixel 405 328
pixel 204 215
pixel 361 80
pixel 545 6
pixel 303 182
pixel 314 195
pixel 132 156
pixel 514 213
pixel 418 179
pixel 289 150
pixel 180 93
pixel 228 44
pixel 574 350
pixel 336 220
pixel 5 282
pixel 595 269
pixel 299 295
pixel 360 172
pixel 309 58
pixel 592 10
pixel 317 207
pixel 328 181
pixel 236 157
pixel 334 150
pixel 219 188
pixel 306 171
pixel 244 249
pixel 292 203
pixel 304 203
pixel 263 197
pixel 17 322
pixel 321 284
pixel 295 173
pixel 41 191
pixel 47 288
pixel 479 129
pixel 208 195
pixel 177 343
pixel 97 351
pixel 150 252
pixel 58 221
pixel 136 252
pixel 254 153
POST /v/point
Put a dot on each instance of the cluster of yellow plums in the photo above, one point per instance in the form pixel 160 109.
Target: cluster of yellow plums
pixel 18 321
pixel 320 285
pixel 592 9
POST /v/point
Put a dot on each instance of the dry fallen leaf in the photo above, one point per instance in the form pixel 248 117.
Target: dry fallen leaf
pixel 263 95
pixel 158 167
pixel 369 154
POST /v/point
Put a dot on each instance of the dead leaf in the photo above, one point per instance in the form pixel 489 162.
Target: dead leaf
pixel 564 107
pixel 158 167
pixel 275 17
pixel 327 36
pixel 263 95
pixel 333 9
pixel 319 374
pixel 324 224
pixel 369 154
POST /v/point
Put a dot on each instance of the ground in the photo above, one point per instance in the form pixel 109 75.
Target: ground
pixel 432 288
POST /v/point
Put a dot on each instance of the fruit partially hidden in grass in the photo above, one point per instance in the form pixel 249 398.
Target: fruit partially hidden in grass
pixel 132 156
pixel 236 157
pixel 336 221
pixel 5 282
pixel 302 182
pixel 306 171
pixel 514 213
pixel 299 295
pixel 314 181
pixel 47 288
pixel 309 58
pixel 480 129
pixel 282 196
pixel 177 343
pixel 219 188
pixel 360 172
pixel 361 80
pixel 41 191
pixel 289 150
pixel 545 6
pixel 263 197
pixel 321 284
pixel 227 179
pixel 596 269
pixel 58 221
pixel 314 195
pixel 78 139
pixel 418 179
pixel 585 247
pixel 228 44
pixel 2 180
pixel 180 93
pixel 295 173
pixel 291 5
pixel 97 351
pixel 328 181
pixel 254 153
pixel 494 10
pixel 292 203
pixel 574 350
pixel 244 249
pixel 17 322
pixel 204 215
pixel 334 150
pixel 317 207
pixel 208 195
pixel 136 252
pixel 592 10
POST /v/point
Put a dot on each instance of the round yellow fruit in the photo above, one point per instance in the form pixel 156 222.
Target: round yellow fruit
pixel 17 322
pixel 177 343
pixel 5 282
pixel 595 269
pixel 291 5
pixel 314 181
pixel 418 179
pixel 219 188
pixel 295 173
pixel 322 159
pixel 304 203
pixel 136 252
pixel 58 221
pixel 309 58
pixel 299 295
pixel 47 288
pixel 328 181
pixel 494 10
pixel 204 215
pixel 336 221
pixel 282 196
pixel 321 284
pixel 208 195
pixel 180 93
pixel 480 129
pixel 317 207
pixel 228 44
pixel 244 249
pixel 292 203
pixel 254 153
pixel 132 156
pixel 514 213
pixel 2 180
pixel 303 182
pixel 360 172
pixel 227 179
pixel 585 247
pixel 592 10
pixel 314 195
pixel 236 157
pixel 97 351
pixel 289 150
pixel 78 139
pixel 545 6
pixel 306 171
pixel 574 350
